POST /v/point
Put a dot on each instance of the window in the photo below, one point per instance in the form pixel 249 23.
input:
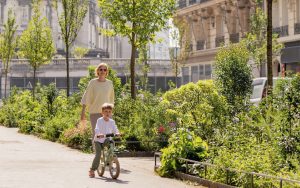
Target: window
pixel 195 76
pixel 201 72
pixel 208 70
pixel 48 14
pixel 24 15
pixel 185 75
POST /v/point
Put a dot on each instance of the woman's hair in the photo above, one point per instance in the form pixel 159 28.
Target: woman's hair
pixel 98 67
pixel 107 106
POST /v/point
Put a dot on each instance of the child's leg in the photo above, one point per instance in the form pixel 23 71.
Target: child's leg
pixel 96 160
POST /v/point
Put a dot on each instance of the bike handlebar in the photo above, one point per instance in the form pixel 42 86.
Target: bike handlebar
pixel 109 135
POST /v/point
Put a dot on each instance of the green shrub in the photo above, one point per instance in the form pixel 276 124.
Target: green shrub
pixel 233 74
pixel 198 107
pixel 78 137
pixel 182 144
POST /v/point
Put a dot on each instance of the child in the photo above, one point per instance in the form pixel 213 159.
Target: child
pixel 105 125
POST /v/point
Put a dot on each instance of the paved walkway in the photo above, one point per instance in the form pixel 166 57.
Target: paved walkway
pixel 27 161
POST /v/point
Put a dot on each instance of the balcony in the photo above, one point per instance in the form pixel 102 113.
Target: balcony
pixel 234 38
pixel 219 40
pixel 281 31
pixel 297 28
pixel 200 44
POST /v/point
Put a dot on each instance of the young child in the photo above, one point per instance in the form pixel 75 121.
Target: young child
pixel 105 125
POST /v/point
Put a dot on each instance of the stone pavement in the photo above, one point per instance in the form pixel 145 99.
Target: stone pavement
pixel 29 162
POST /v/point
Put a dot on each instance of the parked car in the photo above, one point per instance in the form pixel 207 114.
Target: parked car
pixel 259 89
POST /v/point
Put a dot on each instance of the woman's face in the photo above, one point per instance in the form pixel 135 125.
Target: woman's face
pixel 102 71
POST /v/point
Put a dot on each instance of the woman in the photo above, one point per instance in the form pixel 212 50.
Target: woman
pixel 99 91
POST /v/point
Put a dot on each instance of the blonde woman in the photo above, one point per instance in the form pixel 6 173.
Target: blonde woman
pixel 99 91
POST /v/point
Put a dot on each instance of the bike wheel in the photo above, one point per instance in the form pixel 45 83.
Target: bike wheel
pixel 114 168
pixel 101 167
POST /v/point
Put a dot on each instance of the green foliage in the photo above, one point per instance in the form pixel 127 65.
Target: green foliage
pixel 80 52
pixel 36 43
pixel 140 119
pixel 78 137
pixel 70 21
pixel 50 93
pixel 182 144
pixel 197 106
pixel 138 20
pixel 233 74
pixel 256 39
pixel 287 101
pixel 8 43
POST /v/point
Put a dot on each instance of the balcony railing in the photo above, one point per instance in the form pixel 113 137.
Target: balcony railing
pixel 200 44
pixel 297 28
pixel 219 40
pixel 234 38
pixel 281 31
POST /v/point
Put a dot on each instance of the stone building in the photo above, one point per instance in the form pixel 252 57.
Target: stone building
pixel 113 50
pixel 206 24
pixel 88 36
pixel 286 22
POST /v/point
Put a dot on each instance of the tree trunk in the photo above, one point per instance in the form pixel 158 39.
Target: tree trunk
pixel 269 47
pixel 5 84
pixel 33 87
pixel 176 73
pixel 67 62
pixel 132 68
pixel 6 72
pixel 132 72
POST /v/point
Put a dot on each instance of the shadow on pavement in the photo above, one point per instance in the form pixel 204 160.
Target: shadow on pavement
pixel 118 181
pixel 124 171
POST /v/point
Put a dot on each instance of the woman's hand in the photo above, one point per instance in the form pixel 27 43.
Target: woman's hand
pixel 82 117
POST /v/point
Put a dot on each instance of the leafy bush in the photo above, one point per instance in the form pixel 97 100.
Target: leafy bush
pixel 233 74
pixel 182 144
pixel 78 137
pixel 198 107
pixel 140 119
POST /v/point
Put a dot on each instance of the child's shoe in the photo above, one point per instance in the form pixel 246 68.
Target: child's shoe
pixel 91 173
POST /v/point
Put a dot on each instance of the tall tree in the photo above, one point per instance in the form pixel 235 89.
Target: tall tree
pixel 36 42
pixel 257 39
pixel 70 19
pixel 138 20
pixel 8 43
pixel 269 46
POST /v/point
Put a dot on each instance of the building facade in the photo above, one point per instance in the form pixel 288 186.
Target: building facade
pixel 286 22
pixel 89 36
pixel 207 24
pixel 113 50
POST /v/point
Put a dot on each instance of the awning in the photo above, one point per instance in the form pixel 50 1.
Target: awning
pixel 290 54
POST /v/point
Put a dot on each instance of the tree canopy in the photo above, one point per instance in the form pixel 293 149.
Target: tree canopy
pixel 138 20
pixel 71 14
pixel 36 42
